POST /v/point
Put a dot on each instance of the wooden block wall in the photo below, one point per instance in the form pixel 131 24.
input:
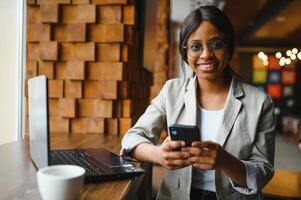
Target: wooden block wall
pixel 161 67
pixel 88 51
pixel 160 71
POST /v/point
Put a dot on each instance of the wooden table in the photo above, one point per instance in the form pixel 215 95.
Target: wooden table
pixel 285 185
pixel 18 175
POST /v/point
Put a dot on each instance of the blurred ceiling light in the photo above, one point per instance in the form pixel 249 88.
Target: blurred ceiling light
pixel 261 55
pixel 282 59
pixel 280 19
pixel 288 52
pixel 265 63
pixel 288 61
pixel 281 63
pixel 293 57
pixel 299 55
pixel 278 55
pixel 295 50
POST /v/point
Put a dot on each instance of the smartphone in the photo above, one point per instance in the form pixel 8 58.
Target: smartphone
pixel 186 133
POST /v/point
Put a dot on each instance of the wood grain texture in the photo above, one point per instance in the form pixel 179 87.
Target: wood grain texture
pixel 18 175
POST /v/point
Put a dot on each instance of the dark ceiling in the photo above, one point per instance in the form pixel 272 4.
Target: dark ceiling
pixel 266 23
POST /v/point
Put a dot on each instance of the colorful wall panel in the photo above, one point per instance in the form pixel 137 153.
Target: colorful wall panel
pixel 288 91
pixel 288 76
pixel 260 76
pixel 274 76
pixel 277 81
pixel 274 90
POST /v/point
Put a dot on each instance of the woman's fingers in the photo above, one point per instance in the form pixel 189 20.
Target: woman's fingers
pixel 171 145
pixel 177 163
pixel 176 155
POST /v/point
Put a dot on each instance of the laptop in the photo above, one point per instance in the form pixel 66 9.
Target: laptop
pixel 100 164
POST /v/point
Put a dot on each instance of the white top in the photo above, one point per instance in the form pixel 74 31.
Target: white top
pixel 208 122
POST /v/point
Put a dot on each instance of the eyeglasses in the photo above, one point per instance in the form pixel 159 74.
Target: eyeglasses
pixel 195 49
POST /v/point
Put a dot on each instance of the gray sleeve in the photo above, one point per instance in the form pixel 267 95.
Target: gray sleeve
pixel 148 127
pixel 260 165
pixel 251 171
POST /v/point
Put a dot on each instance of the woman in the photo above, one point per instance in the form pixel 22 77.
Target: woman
pixel 234 159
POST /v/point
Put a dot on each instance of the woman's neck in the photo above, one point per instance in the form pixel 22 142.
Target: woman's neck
pixel 211 86
pixel 212 94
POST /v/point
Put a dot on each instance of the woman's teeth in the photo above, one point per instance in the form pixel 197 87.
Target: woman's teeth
pixel 205 65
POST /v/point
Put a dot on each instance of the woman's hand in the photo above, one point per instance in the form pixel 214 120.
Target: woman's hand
pixel 210 155
pixel 206 155
pixel 171 159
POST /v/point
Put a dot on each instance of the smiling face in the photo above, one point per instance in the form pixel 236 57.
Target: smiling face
pixel 207 52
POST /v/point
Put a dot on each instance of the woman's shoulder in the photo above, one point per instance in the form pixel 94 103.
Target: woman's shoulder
pixel 177 83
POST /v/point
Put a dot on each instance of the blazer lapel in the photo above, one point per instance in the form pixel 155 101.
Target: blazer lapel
pixel 231 111
pixel 190 102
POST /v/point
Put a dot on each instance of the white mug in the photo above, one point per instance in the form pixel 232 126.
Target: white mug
pixel 60 182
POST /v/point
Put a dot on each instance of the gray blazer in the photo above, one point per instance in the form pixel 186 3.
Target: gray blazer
pixel 246 131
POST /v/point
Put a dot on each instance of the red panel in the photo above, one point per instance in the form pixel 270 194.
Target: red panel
pixel 273 62
pixel 288 76
pixel 274 90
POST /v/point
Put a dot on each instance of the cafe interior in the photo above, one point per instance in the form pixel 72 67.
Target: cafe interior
pixel 105 60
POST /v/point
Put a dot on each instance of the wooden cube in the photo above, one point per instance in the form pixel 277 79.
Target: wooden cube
pixel 107 33
pixel 125 53
pixel 92 89
pixel 73 89
pixel 55 88
pixel 48 50
pixel 79 14
pixel 80 1
pixel 108 52
pixel 58 125
pixel 117 108
pixel 160 77
pixel 87 125
pixel 33 14
pixel 54 1
pixel 60 32
pixel 46 68
pixel 33 51
pixel 109 14
pixel 49 12
pixel 61 70
pixel 154 90
pixel 125 91
pixel 105 109
pixel 109 89
pixel 109 2
pixel 129 15
pixel 87 108
pixel 106 71
pixel 95 108
pixel 111 126
pixel 38 32
pixel 31 2
pixel 31 69
pixel 53 107
pixel 76 32
pixel 76 70
pixel 124 125
pixel 78 51
pixel 114 33
pixel 67 107
pixel 127 108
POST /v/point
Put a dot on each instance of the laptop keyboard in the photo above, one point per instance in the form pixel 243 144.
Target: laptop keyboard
pixel 74 157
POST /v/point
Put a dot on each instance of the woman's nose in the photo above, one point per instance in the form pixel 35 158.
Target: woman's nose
pixel 206 52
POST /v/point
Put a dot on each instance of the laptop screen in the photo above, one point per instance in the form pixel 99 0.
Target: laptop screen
pixel 38 126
